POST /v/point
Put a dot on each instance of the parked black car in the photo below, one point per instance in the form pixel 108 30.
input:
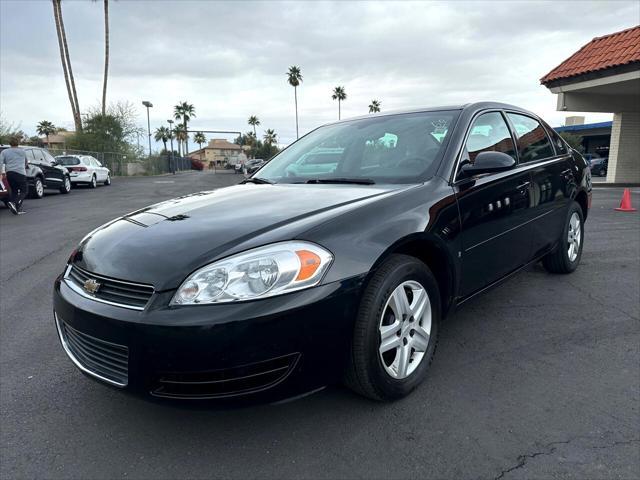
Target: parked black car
pixel 344 274
pixel 597 164
pixel 44 172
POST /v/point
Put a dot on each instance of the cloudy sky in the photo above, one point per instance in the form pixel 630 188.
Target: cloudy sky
pixel 229 58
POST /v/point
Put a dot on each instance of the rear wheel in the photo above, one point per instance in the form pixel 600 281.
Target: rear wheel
pixel 107 182
pixel 38 188
pixel 396 330
pixel 66 185
pixel 94 182
pixel 566 257
pixel 602 172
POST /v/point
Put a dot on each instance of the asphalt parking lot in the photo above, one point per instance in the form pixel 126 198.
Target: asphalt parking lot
pixel 539 378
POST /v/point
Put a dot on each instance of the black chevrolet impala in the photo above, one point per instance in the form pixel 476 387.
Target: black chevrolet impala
pixel 336 261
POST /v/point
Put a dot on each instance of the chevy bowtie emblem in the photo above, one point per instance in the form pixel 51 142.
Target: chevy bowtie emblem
pixel 91 286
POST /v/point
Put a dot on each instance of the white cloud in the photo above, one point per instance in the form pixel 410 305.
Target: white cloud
pixel 230 59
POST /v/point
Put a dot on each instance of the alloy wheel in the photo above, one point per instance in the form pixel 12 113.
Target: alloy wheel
pixel 39 188
pixel 574 237
pixel 405 328
pixel 67 184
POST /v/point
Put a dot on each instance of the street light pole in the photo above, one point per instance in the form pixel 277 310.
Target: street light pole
pixel 172 166
pixel 148 105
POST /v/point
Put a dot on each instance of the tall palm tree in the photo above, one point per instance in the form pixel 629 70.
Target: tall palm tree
pixel 374 106
pixel 183 137
pixel 199 138
pixel 254 121
pixel 46 128
pixel 270 137
pixel 163 134
pixel 106 56
pixel 66 65
pixel 294 77
pixel 184 111
pixel 340 95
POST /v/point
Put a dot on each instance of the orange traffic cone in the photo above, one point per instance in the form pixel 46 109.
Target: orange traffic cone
pixel 625 203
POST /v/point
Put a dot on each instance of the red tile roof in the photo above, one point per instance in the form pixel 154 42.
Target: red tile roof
pixel 613 50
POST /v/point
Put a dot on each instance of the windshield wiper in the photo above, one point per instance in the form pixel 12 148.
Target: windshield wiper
pixel 356 181
pixel 257 180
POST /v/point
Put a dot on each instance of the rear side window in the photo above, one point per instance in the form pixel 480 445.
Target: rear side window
pixel 533 142
pixel 558 143
pixel 489 132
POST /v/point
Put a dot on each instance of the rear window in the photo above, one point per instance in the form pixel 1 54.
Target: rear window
pixel 68 160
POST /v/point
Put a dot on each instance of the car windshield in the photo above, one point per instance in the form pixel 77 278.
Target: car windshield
pixel 388 149
pixel 68 161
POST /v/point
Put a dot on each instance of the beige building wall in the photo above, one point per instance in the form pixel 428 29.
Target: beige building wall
pixel 624 152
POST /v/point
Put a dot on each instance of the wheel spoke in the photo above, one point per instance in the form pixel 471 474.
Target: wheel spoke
pixel 420 301
pixel 402 360
pixel 420 339
pixel 400 303
pixel 389 338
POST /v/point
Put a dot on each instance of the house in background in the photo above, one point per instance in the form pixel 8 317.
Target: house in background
pixel 604 76
pixel 57 141
pixel 218 152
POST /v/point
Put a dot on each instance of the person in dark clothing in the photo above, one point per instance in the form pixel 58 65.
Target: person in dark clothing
pixel 14 162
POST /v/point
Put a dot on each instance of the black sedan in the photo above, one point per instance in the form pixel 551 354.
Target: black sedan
pixel 335 270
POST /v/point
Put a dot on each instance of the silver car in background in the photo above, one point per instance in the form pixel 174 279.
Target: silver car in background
pixel 85 169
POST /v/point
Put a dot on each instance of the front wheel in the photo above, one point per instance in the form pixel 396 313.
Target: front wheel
pixel 566 257
pixel 396 330
pixel 66 186
pixel 603 172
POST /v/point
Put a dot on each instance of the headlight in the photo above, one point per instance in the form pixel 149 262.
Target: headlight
pixel 258 273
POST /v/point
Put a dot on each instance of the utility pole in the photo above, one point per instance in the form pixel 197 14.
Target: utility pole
pixel 148 105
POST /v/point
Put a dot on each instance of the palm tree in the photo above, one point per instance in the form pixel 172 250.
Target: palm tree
pixel 340 95
pixel 183 137
pixel 66 65
pixel 270 137
pixel 199 138
pixel 374 106
pixel 106 56
pixel 184 111
pixel 254 121
pixel 294 77
pixel 163 134
pixel 46 128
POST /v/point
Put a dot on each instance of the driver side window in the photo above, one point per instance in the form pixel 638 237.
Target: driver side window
pixel 489 133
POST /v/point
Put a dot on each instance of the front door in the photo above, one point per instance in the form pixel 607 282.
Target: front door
pixel 494 209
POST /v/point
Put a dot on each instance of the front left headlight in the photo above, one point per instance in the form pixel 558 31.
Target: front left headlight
pixel 262 272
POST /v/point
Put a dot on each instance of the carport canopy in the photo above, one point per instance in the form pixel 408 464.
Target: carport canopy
pixel 604 76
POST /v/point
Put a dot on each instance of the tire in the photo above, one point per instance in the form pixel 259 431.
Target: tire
pixel 563 259
pixel 602 172
pixel 371 373
pixel 66 186
pixel 38 188
pixel 107 182
pixel 94 182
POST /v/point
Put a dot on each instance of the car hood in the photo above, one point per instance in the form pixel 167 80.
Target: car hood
pixel 163 243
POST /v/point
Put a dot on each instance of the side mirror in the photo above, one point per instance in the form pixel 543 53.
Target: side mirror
pixel 489 162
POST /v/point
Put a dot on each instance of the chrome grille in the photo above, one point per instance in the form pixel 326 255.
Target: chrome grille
pixel 112 291
pixel 105 360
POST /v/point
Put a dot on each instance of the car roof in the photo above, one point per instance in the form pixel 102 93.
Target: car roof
pixel 475 106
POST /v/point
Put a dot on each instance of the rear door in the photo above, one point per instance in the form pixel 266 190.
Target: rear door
pixel 553 180
pixel 494 208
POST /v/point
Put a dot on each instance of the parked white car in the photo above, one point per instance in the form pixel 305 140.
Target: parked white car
pixel 85 169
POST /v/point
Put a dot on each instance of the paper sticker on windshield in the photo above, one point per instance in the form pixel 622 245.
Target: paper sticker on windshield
pixel 440 127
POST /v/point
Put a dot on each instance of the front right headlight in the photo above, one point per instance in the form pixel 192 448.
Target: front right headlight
pixel 258 273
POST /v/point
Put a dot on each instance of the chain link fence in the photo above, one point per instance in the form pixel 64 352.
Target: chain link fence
pixel 122 165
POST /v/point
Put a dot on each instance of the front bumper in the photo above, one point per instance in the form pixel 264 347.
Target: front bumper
pixel 272 348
